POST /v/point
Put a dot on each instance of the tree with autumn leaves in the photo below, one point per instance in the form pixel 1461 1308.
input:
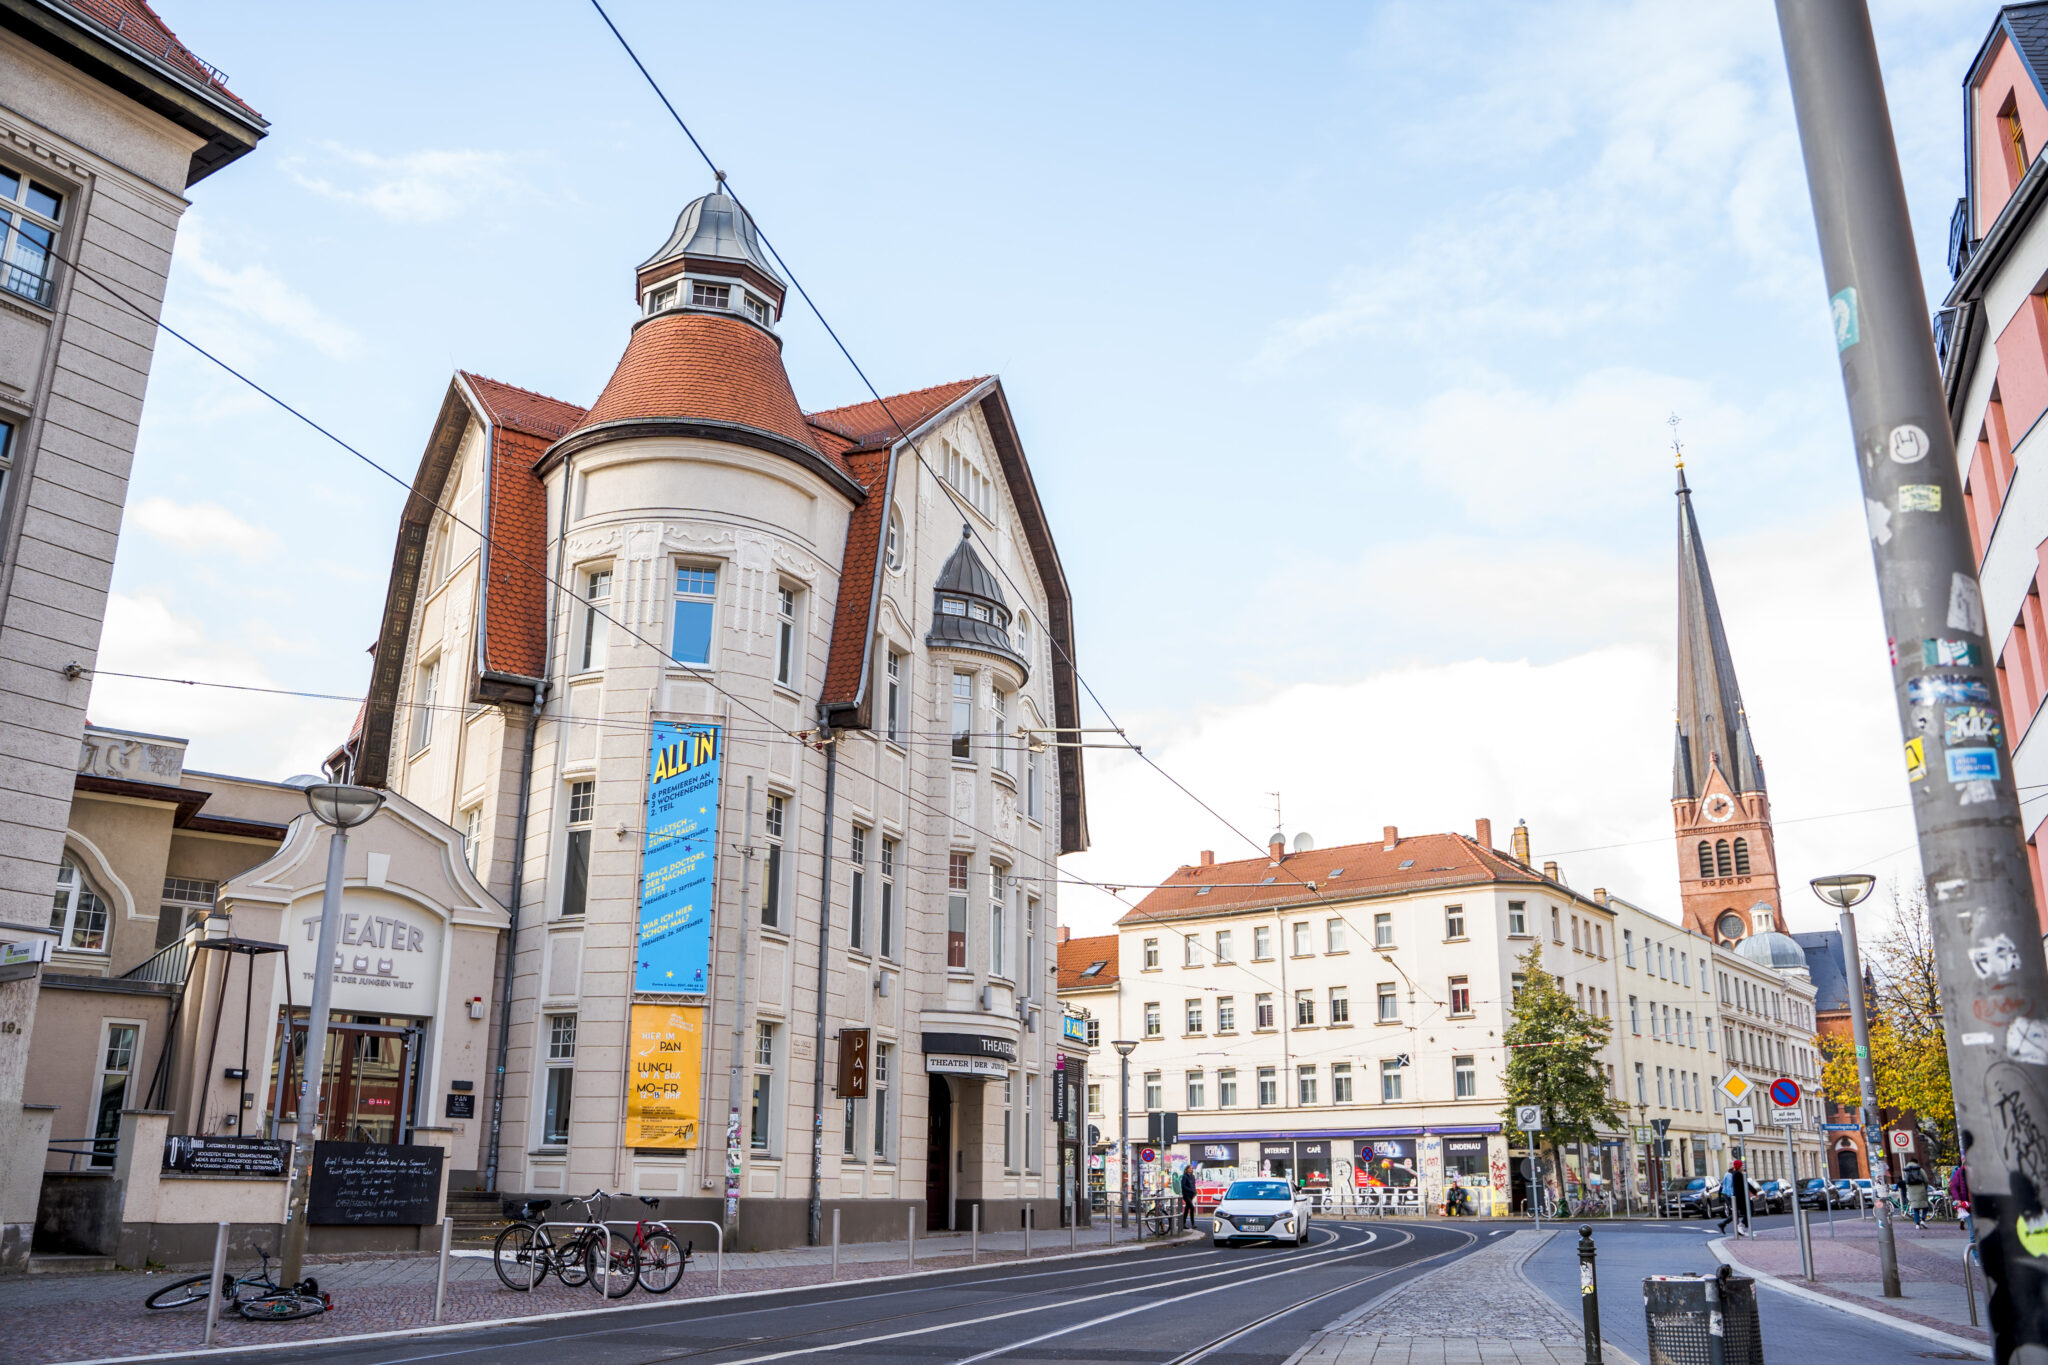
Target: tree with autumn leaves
pixel 1908 1050
pixel 1554 1061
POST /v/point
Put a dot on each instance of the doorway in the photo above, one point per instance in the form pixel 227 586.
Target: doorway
pixel 368 1082
pixel 1846 1164
pixel 938 1157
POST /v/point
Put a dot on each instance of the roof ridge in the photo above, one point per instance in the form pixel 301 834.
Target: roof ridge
pixel 907 393
pixel 530 393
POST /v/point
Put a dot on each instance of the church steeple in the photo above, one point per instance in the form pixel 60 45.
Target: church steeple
pixel 1727 859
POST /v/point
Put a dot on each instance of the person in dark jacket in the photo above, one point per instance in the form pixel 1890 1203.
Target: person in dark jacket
pixel 1915 1182
pixel 1187 1196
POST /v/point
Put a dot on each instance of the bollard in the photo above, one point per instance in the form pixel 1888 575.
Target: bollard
pixel 911 1222
pixel 1109 1222
pixel 835 1244
pixel 441 1273
pixel 220 1270
pixel 1074 1232
pixel 1029 1219
pixel 1589 1293
pixel 974 1234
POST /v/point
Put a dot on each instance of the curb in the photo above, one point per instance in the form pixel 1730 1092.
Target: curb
pixel 1978 1350
pixel 1608 1350
pixel 478 1324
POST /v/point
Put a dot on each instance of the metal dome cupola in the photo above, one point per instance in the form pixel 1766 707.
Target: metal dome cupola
pixel 713 262
pixel 969 610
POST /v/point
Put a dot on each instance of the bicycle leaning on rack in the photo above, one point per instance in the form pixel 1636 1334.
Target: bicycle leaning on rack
pixel 527 1250
pixel 255 1296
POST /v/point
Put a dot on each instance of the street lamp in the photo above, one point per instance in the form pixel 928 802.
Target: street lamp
pixel 341 808
pixel 1844 892
pixel 1124 1048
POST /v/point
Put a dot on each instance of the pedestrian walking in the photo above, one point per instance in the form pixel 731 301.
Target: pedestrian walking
pixel 1187 1196
pixel 1959 1198
pixel 1915 1181
pixel 1735 1189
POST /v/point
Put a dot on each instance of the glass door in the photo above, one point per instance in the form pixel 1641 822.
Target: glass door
pixel 110 1094
pixel 367 1083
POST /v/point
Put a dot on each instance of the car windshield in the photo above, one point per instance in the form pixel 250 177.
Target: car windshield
pixel 1258 1189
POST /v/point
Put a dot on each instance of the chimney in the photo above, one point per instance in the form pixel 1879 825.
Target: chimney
pixel 1065 933
pixel 1208 857
pixel 1390 836
pixel 1550 870
pixel 1518 842
pixel 1482 833
pixel 1599 895
pixel 1278 848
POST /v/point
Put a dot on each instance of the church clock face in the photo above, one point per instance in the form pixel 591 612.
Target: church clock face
pixel 1718 807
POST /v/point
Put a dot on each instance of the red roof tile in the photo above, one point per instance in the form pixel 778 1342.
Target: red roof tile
pixel 870 426
pixel 138 24
pixel 516 597
pixel 1077 955
pixel 534 413
pixel 1347 871
pixel 702 367
pixel 850 650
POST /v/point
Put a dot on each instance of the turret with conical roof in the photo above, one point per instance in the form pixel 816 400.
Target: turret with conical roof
pixel 969 610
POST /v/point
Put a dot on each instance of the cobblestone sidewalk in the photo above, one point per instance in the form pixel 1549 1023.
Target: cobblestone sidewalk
pixel 1846 1268
pixel 1477 1310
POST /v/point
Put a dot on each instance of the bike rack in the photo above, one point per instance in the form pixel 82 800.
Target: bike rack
pixel 673 1223
pixel 607 1272
pixel 1970 1280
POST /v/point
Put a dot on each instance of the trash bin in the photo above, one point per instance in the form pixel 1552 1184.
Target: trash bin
pixel 1680 1311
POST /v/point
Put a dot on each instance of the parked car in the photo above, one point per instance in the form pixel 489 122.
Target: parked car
pixel 1773 1196
pixel 1698 1196
pixel 1848 1191
pixel 1818 1194
pixel 1261 1211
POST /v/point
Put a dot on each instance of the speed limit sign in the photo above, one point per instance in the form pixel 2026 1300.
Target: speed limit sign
pixel 1900 1140
pixel 1529 1117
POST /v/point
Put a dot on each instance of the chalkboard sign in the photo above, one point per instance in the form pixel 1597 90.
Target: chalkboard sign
pixel 375 1183
pixel 226 1155
pixel 462 1106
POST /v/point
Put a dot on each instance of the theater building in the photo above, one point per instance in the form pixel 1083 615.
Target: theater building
pixel 747 713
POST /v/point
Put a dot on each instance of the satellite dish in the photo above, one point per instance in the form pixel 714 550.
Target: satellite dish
pixel 1304 843
pixel 1278 836
pixel 304 780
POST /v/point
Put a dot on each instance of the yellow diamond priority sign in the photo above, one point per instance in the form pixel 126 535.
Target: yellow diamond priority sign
pixel 1735 1085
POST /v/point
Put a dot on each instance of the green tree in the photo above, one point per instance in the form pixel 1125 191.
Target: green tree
pixel 1554 1061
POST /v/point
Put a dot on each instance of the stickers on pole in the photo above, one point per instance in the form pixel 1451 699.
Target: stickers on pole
pixel 1848 326
pixel 1919 497
pixel 1936 689
pixel 1965 605
pixel 1949 654
pixel 1916 759
pixel 1908 444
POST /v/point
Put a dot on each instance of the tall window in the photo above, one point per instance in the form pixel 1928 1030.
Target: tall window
pixel 117 1065
pixel 884 940
pixel 1334 936
pixel 963 715
pixel 1304 1009
pixel 956 910
pixel 1390 1080
pixel 1151 954
pixel 1152 1022
pixel 1024 637
pixel 1194 1016
pixel 849 1125
pixel 1034 800
pixel 1224 950
pixel 423 704
pixel 1226 1088
pixel 894 718
pixel 576 866
pixel 696 611
pixel 1302 944
pixel 1262 942
pixel 561 1079
pixel 1390 1008
pixel 1340 1005
pixel 1190 951
pixel 1340 1082
pixel 761 1118
pixel 472 836
pixel 1556 930
pixel 1197 1090
pixel 856 896
pixel 6 454
pixel 1518 918
pixel 1269 1087
pixel 1383 931
pixel 597 599
pixel 1155 1093
pixel 1464 1078
pixel 1030 1121
pixel 2015 136
pixel 1642 1086
pixel 1461 995
pixel 771 881
pixel 1262 1007
pixel 892 543
pixel 1305 1084
pixel 1454 921
pixel 999 752
pixel 1628 946
pixel 785 637
pixel 1226 1014
pixel 998 929
pixel 30 213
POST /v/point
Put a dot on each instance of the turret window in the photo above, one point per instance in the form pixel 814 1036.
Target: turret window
pixel 710 295
pixel 696 607
pixel 757 309
pixel 953 606
pixel 665 297
pixel 1742 857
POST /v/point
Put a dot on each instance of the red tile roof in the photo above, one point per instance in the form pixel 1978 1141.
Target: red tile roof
pixel 703 367
pixel 852 648
pixel 1347 871
pixel 516 597
pixel 1077 955
pixel 869 426
pixel 140 26
pixel 534 413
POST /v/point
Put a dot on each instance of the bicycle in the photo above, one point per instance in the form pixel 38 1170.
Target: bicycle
pixel 658 1250
pixel 269 1301
pixel 526 1251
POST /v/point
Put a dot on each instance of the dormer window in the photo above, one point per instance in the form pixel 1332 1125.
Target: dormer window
pixel 664 297
pixel 757 309
pixel 979 611
pixel 954 606
pixel 710 295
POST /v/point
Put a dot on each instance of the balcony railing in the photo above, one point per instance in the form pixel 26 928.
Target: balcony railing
pixel 170 966
pixel 35 281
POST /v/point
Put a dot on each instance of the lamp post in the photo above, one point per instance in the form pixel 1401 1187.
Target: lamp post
pixel 1124 1048
pixel 1844 892
pixel 340 808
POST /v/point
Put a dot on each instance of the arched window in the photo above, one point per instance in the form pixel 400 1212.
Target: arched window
pixel 78 914
pixel 1706 859
pixel 892 548
pixel 1722 864
pixel 1742 857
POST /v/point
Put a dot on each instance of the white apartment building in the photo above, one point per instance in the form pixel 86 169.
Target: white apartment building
pixel 848 641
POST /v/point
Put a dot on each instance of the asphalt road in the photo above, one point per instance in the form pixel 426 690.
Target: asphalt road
pixel 1234 1306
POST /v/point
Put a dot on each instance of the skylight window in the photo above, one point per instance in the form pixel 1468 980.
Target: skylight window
pixel 1407 862
pixel 1269 881
pixel 1203 891
pixel 1338 873
pixel 1094 967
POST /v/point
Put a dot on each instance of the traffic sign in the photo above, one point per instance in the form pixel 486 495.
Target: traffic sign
pixel 1784 1092
pixel 1529 1118
pixel 1838 1127
pixel 1642 1135
pixel 1735 1085
pixel 1901 1140
pixel 1740 1118
pixel 1787 1117
pixel 1662 1126
pixel 1148 1155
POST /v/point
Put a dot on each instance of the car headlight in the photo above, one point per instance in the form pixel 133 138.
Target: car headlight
pixel 1286 1225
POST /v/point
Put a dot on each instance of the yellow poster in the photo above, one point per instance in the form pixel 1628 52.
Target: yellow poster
pixel 667 1049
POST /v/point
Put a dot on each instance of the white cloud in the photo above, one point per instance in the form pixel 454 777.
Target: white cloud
pixel 256 293
pixel 203 526
pixel 427 186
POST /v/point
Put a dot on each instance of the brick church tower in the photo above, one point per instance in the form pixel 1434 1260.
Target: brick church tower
pixel 1721 815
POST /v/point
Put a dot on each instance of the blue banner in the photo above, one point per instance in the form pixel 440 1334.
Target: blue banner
pixel 679 861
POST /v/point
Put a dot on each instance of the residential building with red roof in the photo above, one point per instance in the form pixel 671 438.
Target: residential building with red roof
pixel 107 121
pixel 859 615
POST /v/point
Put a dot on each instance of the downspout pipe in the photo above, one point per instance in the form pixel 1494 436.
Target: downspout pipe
pixel 824 979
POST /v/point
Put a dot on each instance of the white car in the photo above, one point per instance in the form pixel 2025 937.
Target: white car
pixel 1261 1211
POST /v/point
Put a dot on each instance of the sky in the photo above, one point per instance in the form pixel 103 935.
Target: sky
pixel 1343 341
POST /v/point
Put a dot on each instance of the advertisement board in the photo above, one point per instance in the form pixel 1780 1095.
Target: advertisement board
pixel 678 860
pixel 666 1059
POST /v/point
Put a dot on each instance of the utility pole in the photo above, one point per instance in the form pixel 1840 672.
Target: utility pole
pixel 1972 845
pixel 1866 1079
